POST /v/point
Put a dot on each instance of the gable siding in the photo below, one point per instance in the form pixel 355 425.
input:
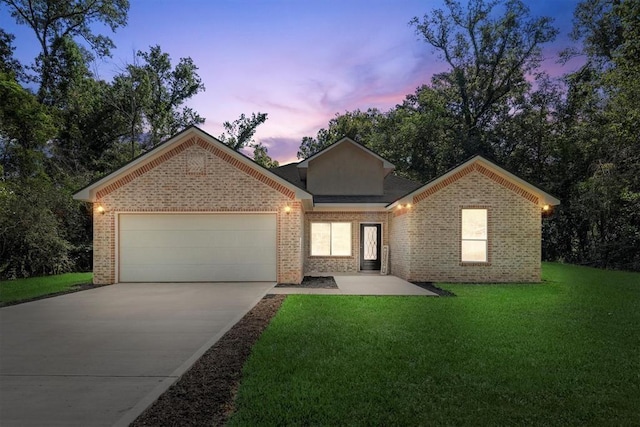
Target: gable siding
pixel 345 170
pixel 514 231
pixel 220 186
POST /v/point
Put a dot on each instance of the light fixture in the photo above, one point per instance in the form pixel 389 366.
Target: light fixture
pixel 545 208
pixel 399 206
pixel 287 209
pixel 408 205
pixel 100 210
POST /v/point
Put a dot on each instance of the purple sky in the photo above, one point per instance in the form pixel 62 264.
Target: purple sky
pixel 300 61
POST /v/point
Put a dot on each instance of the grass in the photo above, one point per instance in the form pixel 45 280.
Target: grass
pixel 12 291
pixel 565 352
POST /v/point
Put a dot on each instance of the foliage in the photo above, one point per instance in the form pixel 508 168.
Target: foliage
pixel 357 125
pixel 24 289
pixel 556 353
pixel 168 89
pixel 488 56
pixel 33 240
pixel 52 20
pixel 261 157
pixel 8 64
pixel 77 128
pixel 239 134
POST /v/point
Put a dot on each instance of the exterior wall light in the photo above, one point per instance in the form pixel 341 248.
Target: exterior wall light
pixel 287 209
pixel 100 210
pixel 409 205
pixel 546 208
pixel 399 206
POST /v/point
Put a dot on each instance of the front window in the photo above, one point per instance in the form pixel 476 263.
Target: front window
pixel 330 239
pixel 474 235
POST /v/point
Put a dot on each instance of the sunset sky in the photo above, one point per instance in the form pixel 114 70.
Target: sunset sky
pixel 300 61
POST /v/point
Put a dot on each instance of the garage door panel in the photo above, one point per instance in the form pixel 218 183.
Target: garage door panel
pixel 177 273
pixel 197 247
pixel 195 238
pixel 161 222
pixel 196 256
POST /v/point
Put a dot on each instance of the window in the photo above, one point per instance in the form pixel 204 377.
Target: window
pixel 474 235
pixel 330 239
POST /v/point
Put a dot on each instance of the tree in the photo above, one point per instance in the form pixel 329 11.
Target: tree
pixel 601 129
pixel 357 125
pixel 489 57
pixel 130 96
pixel 8 64
pixel 419 136
pixel 261 157
pixel 25 128
pixel 239 133
pixel 30 232
pixel 52 20
pixel 168 89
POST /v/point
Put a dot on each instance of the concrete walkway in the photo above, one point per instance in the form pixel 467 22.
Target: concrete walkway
pixel 100 357
pixel 362 284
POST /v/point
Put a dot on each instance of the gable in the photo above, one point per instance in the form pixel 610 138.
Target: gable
pixel 174 186
pixel 489 170
pixel 346 170
pixel 193 164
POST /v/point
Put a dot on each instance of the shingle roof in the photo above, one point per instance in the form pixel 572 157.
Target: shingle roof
pixel 394 187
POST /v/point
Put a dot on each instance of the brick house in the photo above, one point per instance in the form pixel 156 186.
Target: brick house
pixel 191 209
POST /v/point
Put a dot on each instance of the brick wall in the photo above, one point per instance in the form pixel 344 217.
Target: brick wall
pixel 433 226
pixel 196 176
pixel 322 264
pixel 400 244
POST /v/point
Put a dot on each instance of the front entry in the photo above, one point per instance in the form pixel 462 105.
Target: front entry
pixel 370 245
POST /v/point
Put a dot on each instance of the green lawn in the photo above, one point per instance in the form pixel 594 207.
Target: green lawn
pixel 23 289
pixel 565 352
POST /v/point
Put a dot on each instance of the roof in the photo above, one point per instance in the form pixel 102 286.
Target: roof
pixel 394 187
pixel 488 168
pixel 89 192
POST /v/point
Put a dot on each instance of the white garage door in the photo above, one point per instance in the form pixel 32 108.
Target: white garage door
pixel 197 247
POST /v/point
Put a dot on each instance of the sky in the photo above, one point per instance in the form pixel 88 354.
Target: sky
pixel 300 61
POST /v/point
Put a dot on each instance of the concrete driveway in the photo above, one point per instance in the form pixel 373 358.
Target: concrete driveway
pixel 99 357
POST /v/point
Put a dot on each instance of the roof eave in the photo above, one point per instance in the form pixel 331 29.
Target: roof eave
pixel 88 193
pixel 319 207
pixel 544 197
pixel 385 163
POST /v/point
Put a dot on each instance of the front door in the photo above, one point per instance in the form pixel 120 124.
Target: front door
pixel 370 245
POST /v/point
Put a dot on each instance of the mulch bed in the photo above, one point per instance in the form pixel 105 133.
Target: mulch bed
pixel 316 282
pixel 433 288
pixel 205 394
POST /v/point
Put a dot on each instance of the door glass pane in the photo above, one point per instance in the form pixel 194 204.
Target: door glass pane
pixel 474 250
pixel 341 239
pixel 320 238
pixel 370 243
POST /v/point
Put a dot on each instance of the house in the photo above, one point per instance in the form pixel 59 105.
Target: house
pixel 191 209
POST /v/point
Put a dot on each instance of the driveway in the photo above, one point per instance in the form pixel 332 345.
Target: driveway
pixel 99 357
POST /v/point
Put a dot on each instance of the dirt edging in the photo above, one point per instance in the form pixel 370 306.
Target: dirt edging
pixel 205 394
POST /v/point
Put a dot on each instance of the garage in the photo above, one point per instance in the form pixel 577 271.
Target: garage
pixel 197 247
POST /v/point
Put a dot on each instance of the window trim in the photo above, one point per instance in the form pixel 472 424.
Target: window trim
pixel 330 255
pixel 487 241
